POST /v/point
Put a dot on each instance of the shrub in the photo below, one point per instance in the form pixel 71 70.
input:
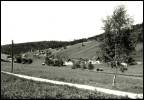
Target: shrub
pixel 61 62
pixel 90 66
pixel 83 65
pixel 24 60
pixel 56 63
pixel 53 62
pixel 18 59
pixel 76 65
pixel 130 61
pixel 30 61
pixel 48 61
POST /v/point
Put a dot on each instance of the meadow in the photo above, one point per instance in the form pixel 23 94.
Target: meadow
pixel 66 74
pixel 17 88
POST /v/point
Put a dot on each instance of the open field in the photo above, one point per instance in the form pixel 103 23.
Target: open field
pixel 67 74
pixel 90 49
pixel 12 88
pixel 77 50
pixel 85 52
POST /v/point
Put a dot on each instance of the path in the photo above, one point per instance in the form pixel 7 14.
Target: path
pixel 108 91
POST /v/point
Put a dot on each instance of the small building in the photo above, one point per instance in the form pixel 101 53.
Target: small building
pixel 94 61
pixel 68 63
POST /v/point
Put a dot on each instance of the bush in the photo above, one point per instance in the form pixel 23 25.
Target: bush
pixel 18 59
pixel 130 61
pixel 48 61
pixel 24 60
pixel 54 62
pixel 90 66
pixel 61 62
pixel 83 65
pixel 76 65
pixel 30 61
pixel 58 62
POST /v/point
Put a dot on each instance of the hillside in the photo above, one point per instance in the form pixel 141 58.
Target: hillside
pixel 91 49
pixel 25 47
pixel 74 49
pixel 78 51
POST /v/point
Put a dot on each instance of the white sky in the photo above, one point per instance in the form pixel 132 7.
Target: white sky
pixel 27 21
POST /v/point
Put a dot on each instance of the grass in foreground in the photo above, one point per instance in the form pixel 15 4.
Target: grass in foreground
pixel 76 76
pixel 17 88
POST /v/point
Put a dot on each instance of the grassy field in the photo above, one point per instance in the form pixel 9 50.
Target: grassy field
pixel 75 76
pixel 77 50
pixel 17 88
pixel 90 48
pixel 132 69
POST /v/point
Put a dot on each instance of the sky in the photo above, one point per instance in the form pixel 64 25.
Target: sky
pixel 29 21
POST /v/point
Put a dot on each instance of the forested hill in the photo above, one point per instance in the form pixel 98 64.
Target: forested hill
pixel 137 31
pixel 24 47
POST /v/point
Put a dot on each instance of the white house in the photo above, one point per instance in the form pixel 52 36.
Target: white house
pixel 68 63
pixel 139 63
pixel 94 61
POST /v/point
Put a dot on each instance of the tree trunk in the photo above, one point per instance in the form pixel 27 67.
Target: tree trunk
pixel 114 78
pixel 114 81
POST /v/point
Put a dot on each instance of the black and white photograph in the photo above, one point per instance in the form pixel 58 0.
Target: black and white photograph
pixel 71 49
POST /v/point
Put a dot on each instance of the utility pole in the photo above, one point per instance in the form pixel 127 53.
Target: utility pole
pixel 12 56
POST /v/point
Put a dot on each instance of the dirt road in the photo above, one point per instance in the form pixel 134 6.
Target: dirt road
pixel 108 91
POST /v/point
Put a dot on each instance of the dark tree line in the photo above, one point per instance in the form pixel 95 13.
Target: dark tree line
pixel 25 47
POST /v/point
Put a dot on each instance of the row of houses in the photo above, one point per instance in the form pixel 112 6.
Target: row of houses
pixel 81 60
